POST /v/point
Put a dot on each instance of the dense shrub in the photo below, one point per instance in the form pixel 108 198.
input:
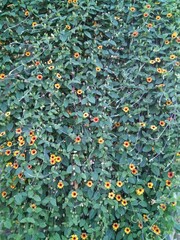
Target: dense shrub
pixel 88 119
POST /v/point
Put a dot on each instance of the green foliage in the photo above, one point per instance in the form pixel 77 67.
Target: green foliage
pixel 89 118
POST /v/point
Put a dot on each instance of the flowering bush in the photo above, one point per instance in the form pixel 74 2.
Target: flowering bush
pixel 89 119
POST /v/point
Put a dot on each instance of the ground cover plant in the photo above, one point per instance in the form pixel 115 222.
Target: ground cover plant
pixel 89 118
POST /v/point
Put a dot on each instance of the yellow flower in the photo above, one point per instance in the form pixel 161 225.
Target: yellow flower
pixel 142 124
pixel 140 191
pixel 111 195
pixel 163 206
pixel 34 24
pixel 89 184
pixel 101 140
pixel 107 185
pixel 98 69
pixel 7 114
pixel 157 59
pixel 68 27
pixel 124 202
pixel 119 183
pixel 150 185
pixel 74 194
pixel 152 61
pixel 127 230
pixel 172 56
pixel 60 185
pixel 132 9
pixel 85 115
pixel 74 237
pixel 174 35
pixel 158 18
pixel 115 226
pixel 169 15
pixel 153 127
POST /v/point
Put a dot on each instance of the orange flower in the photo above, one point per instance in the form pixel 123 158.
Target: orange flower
pixel 68 27
pixel 33 151
pixel 95 119
pixel 15 165
pixel 149 25
pixel 118 197
pixel 89 184
pixel 148 6
pixel 126 109
pixel 76 55
pixel 37 63
pixel 135 34
pixel 77 139
pixel 134 171
pixel 2 76
pixel 74 194
pixel 31 133
pixel 84 236
pixel 117 124
pixel 107 185
pixel 60 185
pixel 170 174
pixel 4 194
pixel 126 144
pixel 100 47
pixel 39 77
pixel 146 14
pixel 18 130
pixel 162 123
pixel 27 54
pixel 33 138
pixel 168 183
pixel 7 152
